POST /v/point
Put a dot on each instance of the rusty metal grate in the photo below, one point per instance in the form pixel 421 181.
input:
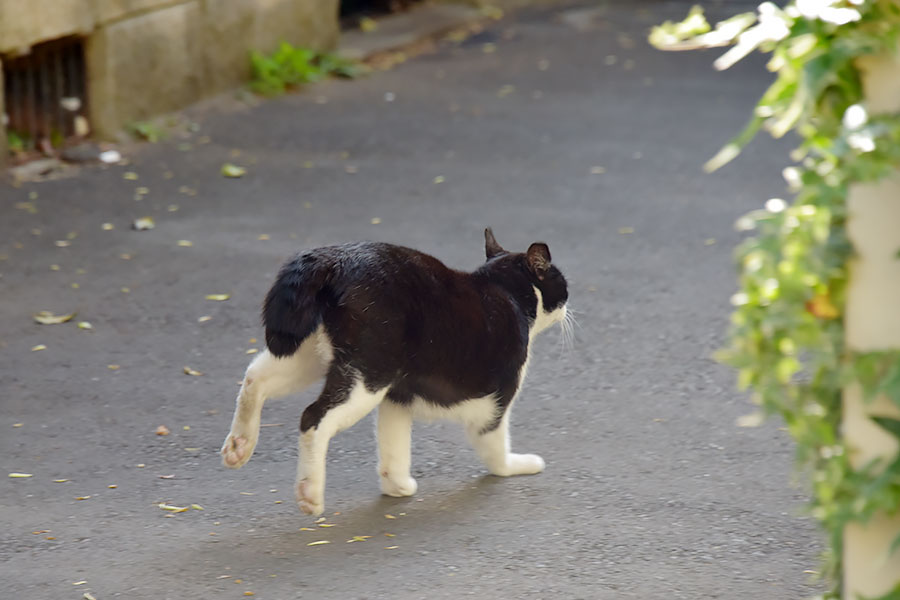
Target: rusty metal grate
pixel 46 94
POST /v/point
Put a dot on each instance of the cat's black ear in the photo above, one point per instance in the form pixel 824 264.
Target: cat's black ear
pixel 491 247
pixel 538 257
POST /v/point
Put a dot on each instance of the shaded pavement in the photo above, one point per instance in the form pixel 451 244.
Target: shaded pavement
pixel 555 124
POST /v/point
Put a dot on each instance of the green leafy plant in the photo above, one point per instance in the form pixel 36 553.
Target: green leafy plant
pixel 17 143
pixel 289 67
pixel 787 335
pixel 147 130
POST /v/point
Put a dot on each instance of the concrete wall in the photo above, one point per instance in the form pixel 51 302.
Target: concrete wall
pixel 147 57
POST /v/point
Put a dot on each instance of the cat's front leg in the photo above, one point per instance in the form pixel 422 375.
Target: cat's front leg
pixel 394 445
pixel 493 449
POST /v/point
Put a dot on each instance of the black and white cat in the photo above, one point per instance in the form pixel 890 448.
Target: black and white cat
pixel 392 327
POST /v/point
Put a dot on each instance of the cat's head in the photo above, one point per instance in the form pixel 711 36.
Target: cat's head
pixel 548 282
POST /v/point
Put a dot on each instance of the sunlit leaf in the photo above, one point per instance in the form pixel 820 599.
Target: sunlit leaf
pixel 218 297
pixel 48 318
pixel 231 170
pixel 143 224
pixel 190 371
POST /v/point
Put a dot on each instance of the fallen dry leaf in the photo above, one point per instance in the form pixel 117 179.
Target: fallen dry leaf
pixel 38 348
pixel 62 243
pixel 45 317
pixel 204 319
pixel 252 351
pixel 85 325
pixel 185 243
pixel 440 179
pixel 82 497
pixel 194 372
pixel 60 480
pixel 389 517
pixel 367 25
pixel 113 367
pixel 376 221
pixel 20 475
pixel 162 430
pixel 319 543
pixel 197 507
pixel 218 297
pixel 143 224
pixel 230 170
pixel 130 175
pixel 174 509
pixel 391 547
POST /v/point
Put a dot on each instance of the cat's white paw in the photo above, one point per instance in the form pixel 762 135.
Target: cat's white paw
pixel 237 450
pixel 521 464
pixel 398 487
pixel 310 498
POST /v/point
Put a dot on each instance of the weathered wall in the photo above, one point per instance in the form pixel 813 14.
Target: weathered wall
pixel 147 57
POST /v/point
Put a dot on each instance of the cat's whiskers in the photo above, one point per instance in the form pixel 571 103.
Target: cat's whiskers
pixel 567 333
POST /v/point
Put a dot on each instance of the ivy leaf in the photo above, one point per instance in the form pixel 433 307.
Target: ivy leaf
pixel 891 425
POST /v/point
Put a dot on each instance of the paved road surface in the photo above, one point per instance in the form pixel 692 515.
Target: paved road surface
pixel 650 491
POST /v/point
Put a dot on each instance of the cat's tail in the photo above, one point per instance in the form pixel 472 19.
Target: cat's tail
pixel 293 307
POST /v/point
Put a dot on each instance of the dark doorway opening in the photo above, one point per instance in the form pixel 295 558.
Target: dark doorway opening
pixel 351 11
pixel 45 93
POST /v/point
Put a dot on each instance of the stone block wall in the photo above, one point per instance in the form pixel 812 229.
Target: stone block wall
pixel 148 57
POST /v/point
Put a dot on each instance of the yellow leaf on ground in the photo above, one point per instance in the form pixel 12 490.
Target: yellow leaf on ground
pixel 143 223
pixel 162 430
pixel 85 325
pixel 389 517
pixel 319 543
pixel 174 509
pixel 20 475
pixel 230 170
pixel 38 347
pixel 45 317
pixel 218 297
pixel 185 243
pixel 194 372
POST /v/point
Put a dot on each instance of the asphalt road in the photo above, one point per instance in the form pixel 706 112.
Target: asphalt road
pixel 555 124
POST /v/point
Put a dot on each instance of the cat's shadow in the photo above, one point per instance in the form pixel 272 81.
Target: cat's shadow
pixel 385 521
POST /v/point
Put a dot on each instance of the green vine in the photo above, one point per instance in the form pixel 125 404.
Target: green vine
pixel 787 334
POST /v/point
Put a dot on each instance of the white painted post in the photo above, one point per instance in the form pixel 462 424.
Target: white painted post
pixel 872 322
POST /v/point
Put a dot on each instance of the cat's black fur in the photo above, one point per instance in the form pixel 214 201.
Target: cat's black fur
pixel 398 317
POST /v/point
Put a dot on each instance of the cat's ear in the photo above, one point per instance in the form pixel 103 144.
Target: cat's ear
pixel 491 247
pixel 538 257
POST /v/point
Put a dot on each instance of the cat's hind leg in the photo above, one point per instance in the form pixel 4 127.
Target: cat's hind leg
pixel 269 377
pixel 344 400
pixel 492 446
pixel 394 445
